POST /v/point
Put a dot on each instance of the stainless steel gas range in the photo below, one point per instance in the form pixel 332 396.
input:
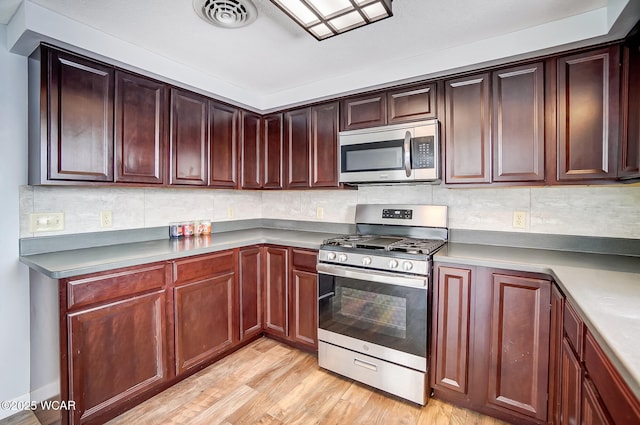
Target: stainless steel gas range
pixel 374 289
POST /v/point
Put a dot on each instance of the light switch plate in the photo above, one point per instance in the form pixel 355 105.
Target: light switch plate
pixel 46 222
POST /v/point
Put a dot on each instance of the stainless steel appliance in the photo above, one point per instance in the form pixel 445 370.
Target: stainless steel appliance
pixel 393 153
pixel 373 298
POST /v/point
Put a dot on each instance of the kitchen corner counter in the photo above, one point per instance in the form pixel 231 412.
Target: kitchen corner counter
pixel 63 264
pixel 605 289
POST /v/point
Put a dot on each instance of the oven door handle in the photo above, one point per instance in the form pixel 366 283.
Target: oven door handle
pixel 372 275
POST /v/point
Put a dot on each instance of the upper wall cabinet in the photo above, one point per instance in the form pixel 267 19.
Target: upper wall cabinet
pixel 273 142
pixel 189 138
pixel 311 146
pixel 223 139
pixel 70 119
pixel 392 107
pixel 141 109
pixel 251 164
pixel 630 138
pixel 588 87
pixel 494 126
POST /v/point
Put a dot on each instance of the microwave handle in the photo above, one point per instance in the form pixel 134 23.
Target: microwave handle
pixel 407 153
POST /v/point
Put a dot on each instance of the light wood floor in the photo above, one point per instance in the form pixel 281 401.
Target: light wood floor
pixel 271 383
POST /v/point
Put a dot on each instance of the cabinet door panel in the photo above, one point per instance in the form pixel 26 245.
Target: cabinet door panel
pixel 411 104
pixel 140 140
pixel 519 344
pixel 251 162
pixel 273 151
pixel 467 130
pixel 593 412
pixel 324 145
pixel 80 104
pixel 518 123
pixel 116 351
pixel 203 320
pixel 223 134
pixel 304 310
pixel 630 149
pixel 276 291
pixel 588 106
pixel 364 111
pixel 452 324
pixel 250 294
pixel 189 139
pixel 571 382
pixel 297 149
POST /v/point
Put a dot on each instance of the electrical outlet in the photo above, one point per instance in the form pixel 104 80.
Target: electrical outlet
pixel 320 212
pixel 519 219
pixel 46 222
pixel 106 219
pixel 230 212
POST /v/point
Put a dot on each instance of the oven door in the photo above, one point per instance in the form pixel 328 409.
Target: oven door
pixel 381 308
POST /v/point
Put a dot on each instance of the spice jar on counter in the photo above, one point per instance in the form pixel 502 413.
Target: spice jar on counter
pixel 175 230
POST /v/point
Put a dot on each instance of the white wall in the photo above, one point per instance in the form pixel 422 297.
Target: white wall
pixel 14 279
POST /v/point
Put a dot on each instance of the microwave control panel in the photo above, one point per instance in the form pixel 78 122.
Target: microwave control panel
pixel 422 152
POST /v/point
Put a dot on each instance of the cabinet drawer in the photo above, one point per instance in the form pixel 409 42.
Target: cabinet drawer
pixel 620 402
pixel 573 329
pixel 195 268
pixel 92 289
pixel 304 259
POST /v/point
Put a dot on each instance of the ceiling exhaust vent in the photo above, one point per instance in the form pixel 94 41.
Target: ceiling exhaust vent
pixel 226 13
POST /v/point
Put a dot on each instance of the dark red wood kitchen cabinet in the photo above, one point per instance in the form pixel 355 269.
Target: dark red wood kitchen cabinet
pixel 74 120
pixel 519 345
pixel 369 110
pixel 251 150
pixel 223 143
pixel 412 103
pixel 250 290
pixel 518 124
pixel 324 145
pixel 189 140
pixel 303 303
pixel 590 389
pixel 490 341
pixel 451 329
pixel 297 136
pixel 555 353
pixel 273 133
pixel 468 130
pixel 276 291
pixel 204 308
pixel 141 120
pixel 115 343
pixel 588 108
pixel 629 166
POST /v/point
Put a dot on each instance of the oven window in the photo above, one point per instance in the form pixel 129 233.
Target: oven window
pixel 365 309
pixel 389 315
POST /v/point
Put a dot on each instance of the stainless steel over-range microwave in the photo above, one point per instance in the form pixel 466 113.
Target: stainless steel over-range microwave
pixel 393 153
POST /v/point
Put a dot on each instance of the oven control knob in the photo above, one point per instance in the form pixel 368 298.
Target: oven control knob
pixel 342 258
pixel 393 264
pixel 407 265
pixel 331 256
pixel 366 261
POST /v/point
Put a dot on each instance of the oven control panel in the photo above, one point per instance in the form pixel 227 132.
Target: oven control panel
pixel 401 214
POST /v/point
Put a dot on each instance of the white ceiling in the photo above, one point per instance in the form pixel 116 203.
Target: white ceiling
pixel 273 63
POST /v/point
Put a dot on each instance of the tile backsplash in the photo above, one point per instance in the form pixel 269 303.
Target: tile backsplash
pixel 606 211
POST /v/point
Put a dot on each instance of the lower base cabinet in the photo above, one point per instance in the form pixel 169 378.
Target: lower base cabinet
pixel 205 312
pixel 490 341
pixel 291 295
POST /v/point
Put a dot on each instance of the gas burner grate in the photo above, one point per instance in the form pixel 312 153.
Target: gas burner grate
pixel 416 246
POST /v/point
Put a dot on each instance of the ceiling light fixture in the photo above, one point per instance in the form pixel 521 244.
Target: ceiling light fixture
pixel 326 18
